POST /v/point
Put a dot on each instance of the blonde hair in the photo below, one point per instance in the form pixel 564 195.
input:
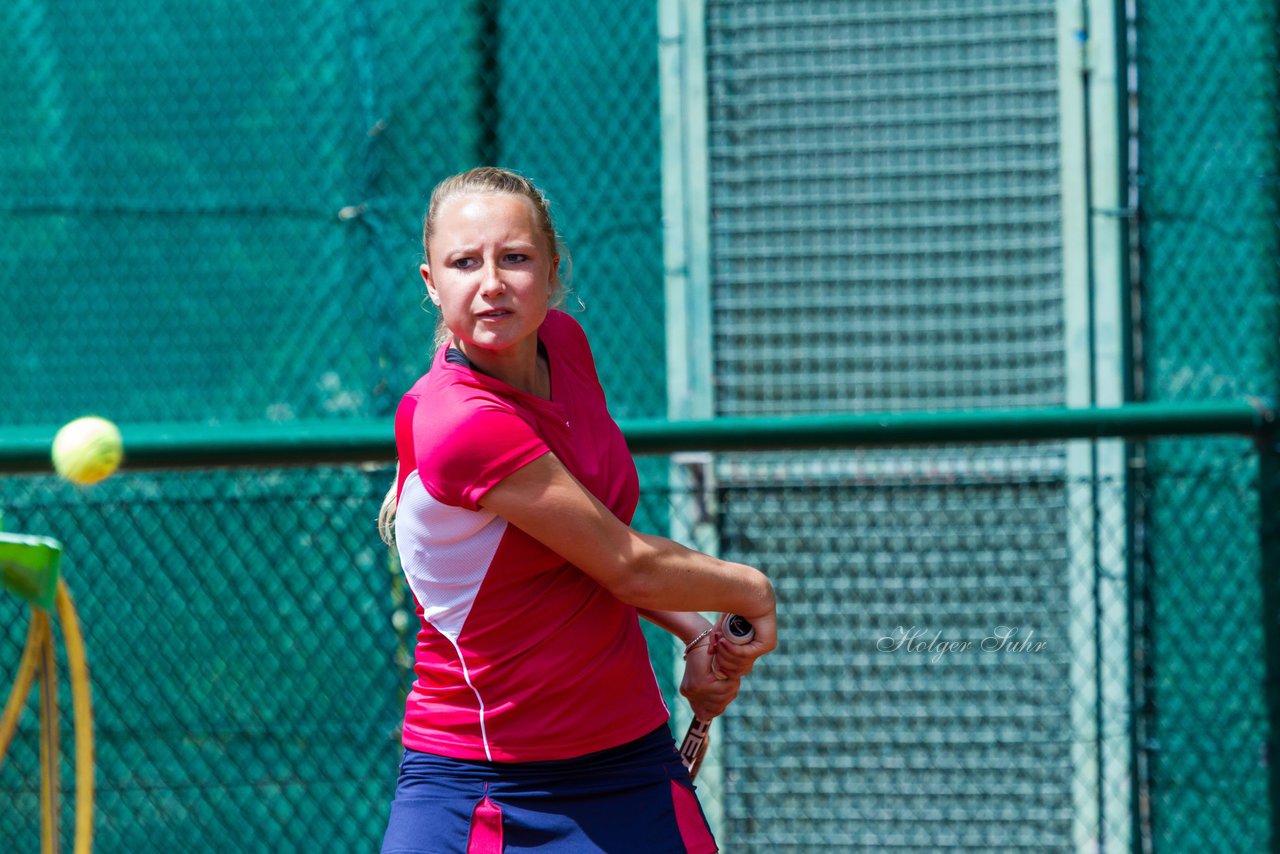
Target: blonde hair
pixel 482 179
pixel 387 512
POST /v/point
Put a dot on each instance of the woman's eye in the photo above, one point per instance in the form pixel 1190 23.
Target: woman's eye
pixel 517 258
pixel 464 263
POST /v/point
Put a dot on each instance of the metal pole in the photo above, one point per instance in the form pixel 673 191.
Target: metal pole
pixel 188 446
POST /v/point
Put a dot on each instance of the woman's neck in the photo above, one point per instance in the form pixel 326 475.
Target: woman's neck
pixel 522 367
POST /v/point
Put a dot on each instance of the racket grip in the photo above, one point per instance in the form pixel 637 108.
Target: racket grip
pixel 694 747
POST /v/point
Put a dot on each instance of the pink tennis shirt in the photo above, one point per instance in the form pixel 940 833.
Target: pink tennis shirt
pixel 521 656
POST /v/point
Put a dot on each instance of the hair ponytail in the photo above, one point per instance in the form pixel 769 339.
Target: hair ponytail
pixel 387 513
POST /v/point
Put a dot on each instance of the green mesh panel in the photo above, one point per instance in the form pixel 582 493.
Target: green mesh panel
pixel 1208 137
pixel 241 644
pixel 842 741
pixel 886 220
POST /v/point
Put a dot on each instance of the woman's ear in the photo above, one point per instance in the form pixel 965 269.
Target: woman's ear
pixel 425 269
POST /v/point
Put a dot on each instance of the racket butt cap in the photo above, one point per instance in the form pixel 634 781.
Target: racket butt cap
pixel 738 629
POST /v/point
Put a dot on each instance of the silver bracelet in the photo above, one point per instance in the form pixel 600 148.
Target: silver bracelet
pixel 691 645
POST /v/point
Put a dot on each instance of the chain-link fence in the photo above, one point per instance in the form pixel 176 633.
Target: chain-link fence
pixel 982 649
pixel 1207 141
pixel 242 654
pixel 212 214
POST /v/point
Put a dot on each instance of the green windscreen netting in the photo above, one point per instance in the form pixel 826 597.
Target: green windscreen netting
pixel 1209 138
pixel 213 210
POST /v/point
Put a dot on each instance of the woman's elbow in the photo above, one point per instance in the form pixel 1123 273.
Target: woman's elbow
pixel 634 581
pixel 634 589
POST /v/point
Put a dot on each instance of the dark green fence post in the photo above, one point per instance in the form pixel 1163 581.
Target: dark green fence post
pixel 1269 565
pixel 488 35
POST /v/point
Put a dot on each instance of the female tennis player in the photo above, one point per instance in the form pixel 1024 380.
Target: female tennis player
pixel 535 721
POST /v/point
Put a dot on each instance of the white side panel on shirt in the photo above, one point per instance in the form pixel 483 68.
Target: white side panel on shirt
pixel 446 552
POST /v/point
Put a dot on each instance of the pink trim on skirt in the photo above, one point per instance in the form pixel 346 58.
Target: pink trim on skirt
pixel 486 829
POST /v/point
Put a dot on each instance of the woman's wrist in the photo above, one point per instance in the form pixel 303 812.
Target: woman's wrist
pixel 690 627
pixel 701 639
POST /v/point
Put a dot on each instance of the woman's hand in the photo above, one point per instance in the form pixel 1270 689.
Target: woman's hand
pixel 708 695
pixel 733 661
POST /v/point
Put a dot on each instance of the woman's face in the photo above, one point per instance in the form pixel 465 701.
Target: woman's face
pixel 490 269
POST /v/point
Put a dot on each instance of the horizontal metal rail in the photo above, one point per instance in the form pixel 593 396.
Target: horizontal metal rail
pixel 26 449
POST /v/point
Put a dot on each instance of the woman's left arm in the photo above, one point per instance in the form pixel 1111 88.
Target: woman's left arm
pixel 708 695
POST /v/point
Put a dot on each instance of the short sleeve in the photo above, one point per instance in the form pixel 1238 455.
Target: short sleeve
pixel 569 334
pixel 573 349
pixel 463 453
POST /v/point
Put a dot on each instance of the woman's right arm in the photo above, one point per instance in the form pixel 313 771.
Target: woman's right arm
pixel 544 500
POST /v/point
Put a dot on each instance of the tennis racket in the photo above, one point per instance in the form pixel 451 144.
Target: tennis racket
pixel 694 747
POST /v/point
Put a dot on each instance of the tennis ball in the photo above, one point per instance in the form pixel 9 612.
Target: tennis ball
pixel 87 450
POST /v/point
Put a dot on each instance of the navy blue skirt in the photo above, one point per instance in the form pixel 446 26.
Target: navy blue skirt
pixel 632 799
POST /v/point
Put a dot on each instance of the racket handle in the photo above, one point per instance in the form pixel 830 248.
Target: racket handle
pixel 694 747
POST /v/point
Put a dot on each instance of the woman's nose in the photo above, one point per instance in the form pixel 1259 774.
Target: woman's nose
pixel 492 283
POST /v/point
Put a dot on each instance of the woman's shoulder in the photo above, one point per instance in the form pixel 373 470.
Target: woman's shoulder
pixel 562 333
pixel 563 326
pixel 443 400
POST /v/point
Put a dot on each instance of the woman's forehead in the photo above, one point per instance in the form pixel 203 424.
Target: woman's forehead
pixel 488 211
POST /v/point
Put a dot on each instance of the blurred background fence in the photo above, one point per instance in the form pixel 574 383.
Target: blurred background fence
pixel 212 219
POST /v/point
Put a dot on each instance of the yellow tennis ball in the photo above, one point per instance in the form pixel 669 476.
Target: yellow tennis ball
pixel 87 450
